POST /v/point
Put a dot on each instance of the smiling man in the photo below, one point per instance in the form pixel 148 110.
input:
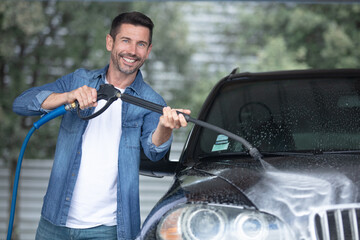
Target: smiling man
pixel 130 47
pixel 93 191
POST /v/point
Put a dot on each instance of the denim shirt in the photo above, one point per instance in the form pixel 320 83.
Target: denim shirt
pixel 138 124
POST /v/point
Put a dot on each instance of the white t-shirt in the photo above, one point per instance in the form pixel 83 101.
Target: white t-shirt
pixel 94 198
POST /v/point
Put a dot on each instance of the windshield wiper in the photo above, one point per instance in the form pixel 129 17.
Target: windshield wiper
pixel 288 153
pixel 222 155
pixel 265 154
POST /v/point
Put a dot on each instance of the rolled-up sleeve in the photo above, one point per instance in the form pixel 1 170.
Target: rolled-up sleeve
pixel 29 102
pixel 158 152
pixel 159 149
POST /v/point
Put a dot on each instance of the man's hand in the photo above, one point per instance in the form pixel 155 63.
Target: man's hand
pixel 168 121
pixel 86 96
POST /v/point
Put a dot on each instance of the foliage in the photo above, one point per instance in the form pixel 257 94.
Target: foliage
pixel 293 36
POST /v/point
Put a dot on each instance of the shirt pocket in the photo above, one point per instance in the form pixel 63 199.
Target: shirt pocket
pixel 71 123
pixel 131 133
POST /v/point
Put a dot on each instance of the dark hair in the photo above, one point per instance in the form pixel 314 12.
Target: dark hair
pixel 134 18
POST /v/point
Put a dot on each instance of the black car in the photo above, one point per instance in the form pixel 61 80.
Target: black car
pixel 304 185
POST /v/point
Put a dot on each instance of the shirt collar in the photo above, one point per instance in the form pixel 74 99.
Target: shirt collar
pixel 135 86
pixel 137 83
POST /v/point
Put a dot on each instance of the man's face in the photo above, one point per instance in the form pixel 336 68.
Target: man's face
pixel 130 48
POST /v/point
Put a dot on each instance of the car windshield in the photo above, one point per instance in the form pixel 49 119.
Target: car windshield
pixel 315 115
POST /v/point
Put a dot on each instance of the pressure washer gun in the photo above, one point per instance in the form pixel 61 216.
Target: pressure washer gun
pixel 109 93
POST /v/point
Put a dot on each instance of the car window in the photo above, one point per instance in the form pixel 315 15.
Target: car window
pixel 286 115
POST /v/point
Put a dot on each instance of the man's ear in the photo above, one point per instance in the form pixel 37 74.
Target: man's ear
pixel 148 51
pixel 109 42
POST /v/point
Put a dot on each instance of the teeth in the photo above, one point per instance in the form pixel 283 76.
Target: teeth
pixel 129 60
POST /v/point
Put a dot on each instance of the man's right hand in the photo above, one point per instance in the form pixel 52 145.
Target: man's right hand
pixel 86 97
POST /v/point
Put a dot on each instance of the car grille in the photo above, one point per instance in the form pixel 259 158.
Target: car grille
pixel 341 222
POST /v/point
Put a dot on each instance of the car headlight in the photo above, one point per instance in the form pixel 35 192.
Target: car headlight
pixel 210 222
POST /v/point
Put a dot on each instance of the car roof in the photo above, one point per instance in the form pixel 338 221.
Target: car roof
pixel 348 72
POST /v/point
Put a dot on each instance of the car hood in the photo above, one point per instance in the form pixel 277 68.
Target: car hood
pixel 289 187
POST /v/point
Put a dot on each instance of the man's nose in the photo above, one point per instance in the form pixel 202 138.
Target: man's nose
pixel 132 48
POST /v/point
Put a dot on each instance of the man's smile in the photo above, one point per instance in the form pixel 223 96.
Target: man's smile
pixel 128 60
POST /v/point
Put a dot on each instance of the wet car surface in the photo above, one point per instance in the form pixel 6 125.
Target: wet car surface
pixel 306 185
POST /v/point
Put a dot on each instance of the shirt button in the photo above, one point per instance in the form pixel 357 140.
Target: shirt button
pixel 67 199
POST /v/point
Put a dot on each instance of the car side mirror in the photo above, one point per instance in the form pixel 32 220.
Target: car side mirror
pixel 159 169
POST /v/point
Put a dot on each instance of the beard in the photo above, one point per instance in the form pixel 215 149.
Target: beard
pixel 117 58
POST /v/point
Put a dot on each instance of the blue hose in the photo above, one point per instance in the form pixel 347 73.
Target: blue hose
pixel 51 115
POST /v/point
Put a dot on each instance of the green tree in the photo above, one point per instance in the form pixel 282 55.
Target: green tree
pixel 272 56
pixel 299 35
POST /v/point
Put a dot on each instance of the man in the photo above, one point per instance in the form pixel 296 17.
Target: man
pixel 93 190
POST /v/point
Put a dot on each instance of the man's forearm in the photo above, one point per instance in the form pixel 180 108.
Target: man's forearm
pixel 161 135
pixel 86 97
pixel 54 100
